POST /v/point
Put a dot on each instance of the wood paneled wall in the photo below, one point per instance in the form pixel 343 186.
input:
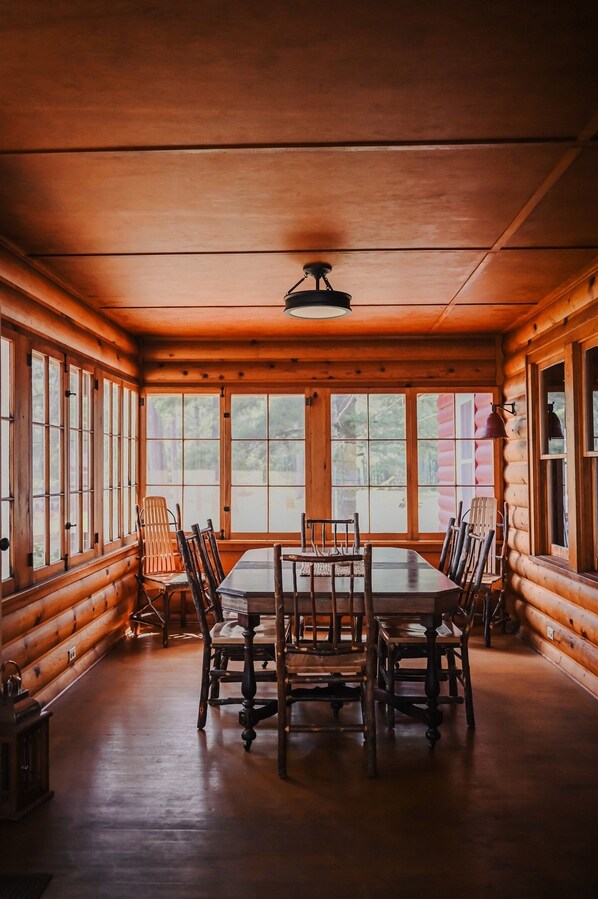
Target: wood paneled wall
pixel 88 607
pixel 544 594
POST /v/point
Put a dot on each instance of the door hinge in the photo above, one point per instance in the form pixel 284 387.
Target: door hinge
pixel 141 402
pixel 30 559
pixel 96 537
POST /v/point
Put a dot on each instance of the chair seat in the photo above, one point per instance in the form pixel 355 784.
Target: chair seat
pixel 316 663
pixel 172 580
pixel 411 631
pixel 230 631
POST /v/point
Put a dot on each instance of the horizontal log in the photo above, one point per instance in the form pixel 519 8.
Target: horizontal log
pixel 514 366
pixel 519 519
pixel 517 495
pixel 516 472
pixel 553 654
pixel 20 274
pixel 571 617
pixel 514 389
pixel 53 663
pixel 515 450
pixel 518 541
pixel 81 666
pixel 32 316
pixel 555 315
pixel 25 650
pixel 576 648
pixel 339 350
pixel 477 373
pixel 576 589
pixel 19 619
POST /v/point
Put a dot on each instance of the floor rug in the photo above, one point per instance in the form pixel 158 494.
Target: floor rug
pixel 23 886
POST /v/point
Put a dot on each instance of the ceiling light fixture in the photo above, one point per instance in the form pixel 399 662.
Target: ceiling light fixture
pixel 316 303
pixel 495 425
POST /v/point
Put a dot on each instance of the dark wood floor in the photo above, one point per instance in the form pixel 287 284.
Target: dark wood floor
pixel 147 807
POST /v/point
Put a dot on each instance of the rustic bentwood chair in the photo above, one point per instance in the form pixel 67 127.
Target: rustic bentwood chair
pixel 484 515
pixel 160 573
pixel 223 640
pixel 401 640
pixel 452 547
pixel 322 536
pixel 210 559
pixel 312 666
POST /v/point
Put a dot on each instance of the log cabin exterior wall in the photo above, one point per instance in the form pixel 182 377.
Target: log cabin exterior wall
pixel 543 593
pixel 88 606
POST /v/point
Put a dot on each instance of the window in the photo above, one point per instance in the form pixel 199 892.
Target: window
pixel 6 453
pixel 183 453
pixel 47 460
pixel 120 460
pixel 553 460
pixel 369 460
pixel 452 465
pixel 591 444
pixel 129 452
pixel 80 462
pixel 268 462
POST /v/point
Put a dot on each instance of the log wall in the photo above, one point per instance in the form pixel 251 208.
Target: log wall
pixel 544 594
pixel 88 607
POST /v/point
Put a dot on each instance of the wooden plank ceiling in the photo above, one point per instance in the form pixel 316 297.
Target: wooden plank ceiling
pixel 176 164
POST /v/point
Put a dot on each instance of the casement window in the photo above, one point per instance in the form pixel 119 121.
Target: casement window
pixel 47 461
pixel 590 365
pixel 80 480
pixel 6 455
pixel 267 462
pixel 553 461
pixel 453 464
pixel 369 459
pixel 403 460
pixel 120 409
pixel 183 453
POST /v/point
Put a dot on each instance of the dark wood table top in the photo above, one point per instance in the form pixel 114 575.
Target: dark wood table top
pixel 402 583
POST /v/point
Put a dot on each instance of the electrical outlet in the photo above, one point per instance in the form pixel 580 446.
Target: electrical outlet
pixel 550 633
pixel 72 653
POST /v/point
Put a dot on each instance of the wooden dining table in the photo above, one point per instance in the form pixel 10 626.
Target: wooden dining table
pixel 403 584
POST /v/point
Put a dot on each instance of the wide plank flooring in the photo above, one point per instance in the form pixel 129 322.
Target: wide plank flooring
pixel 146 806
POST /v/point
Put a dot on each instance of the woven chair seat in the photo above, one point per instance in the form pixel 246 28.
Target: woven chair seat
pixel 313 663
pixel 230 631
pixel 412 631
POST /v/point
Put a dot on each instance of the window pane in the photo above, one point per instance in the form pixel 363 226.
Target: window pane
pixel 248 415
pixel 164 415
pixel 349 415
pixel 39 533
pixel 287 416
pixel 553 409
pixel 54 392
pixel 436 462
pixel 38 459
pixel 74 460
pixel 199 504
pixel 202 416
pixel 388 463
pixel 348 500
pixel 389 509
pixel 558 522
pixel 350 462
pixel 435 415
pixel 38 388
pixel 250 509
pixel 287 464
pixel 5 377
pixel 286 506
pixel 249 462
pixel 429 509
pixel 164 462
pixel 387 416
pixel 202 462
pixel 5 557
pixel 5 462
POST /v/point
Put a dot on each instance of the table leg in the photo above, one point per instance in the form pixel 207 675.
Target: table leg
pixel 250 713
pixel 433 716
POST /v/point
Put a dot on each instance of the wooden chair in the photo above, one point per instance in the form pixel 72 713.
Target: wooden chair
pixel 452 547
pixel 160 571
pixel 310 666
pixel 223 640
pixel 404 639
pixel 322 536
pixel 210 560
pixel 484 515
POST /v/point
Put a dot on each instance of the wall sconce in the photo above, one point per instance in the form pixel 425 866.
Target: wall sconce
pixel 554 428
pixel 494 428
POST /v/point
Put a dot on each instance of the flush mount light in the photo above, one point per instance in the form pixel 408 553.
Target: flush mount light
pixel 316 303
pixel 495 426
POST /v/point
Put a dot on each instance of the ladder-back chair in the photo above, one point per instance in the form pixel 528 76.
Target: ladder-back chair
pixel 223 640
pixel 311 665
pixel 484 515
pixel 160 572
pixel 322 536
pixel 403 639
